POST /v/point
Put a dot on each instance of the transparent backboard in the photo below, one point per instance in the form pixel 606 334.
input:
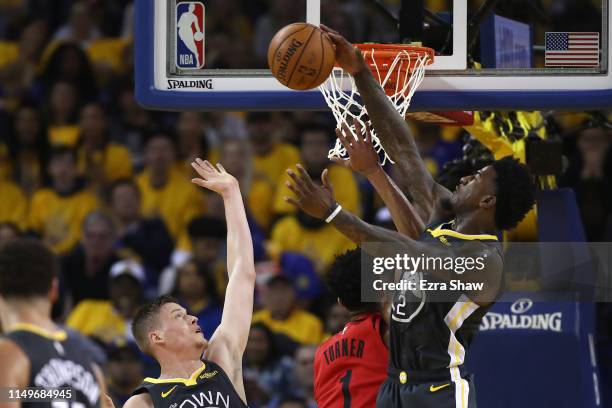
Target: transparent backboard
pixel 490 55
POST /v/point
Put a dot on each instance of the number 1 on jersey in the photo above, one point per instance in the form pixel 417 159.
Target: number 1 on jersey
pixel 346 392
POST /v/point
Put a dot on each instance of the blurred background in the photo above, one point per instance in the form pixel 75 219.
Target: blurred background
pixel 105 182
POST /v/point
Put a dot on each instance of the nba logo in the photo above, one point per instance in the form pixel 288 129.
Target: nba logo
pixel 190 35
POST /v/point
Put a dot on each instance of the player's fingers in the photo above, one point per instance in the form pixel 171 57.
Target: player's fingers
pixel 304 175
pixel 343 140
pixel 292 201
pixel 221 168
pixel 296 189
pixel 368 134
pixel 200 182
pixel 200 170
pixel 296 179
pixel 325 179
pixel 358 130
pixel 327 29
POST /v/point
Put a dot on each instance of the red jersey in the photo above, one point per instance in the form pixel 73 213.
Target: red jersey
pixel 351 365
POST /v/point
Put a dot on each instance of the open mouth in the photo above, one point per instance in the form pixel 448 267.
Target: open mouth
pixel 198 330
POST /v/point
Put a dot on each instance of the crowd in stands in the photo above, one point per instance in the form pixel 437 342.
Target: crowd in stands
pixel 106 184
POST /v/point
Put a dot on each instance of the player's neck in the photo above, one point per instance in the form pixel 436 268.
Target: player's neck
pixel 173 367
pixel 474 223
pixel 34 312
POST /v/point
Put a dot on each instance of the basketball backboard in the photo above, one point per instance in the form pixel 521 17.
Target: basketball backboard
pixel 535 54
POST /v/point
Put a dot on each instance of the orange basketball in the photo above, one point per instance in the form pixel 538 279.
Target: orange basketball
pixel 301 56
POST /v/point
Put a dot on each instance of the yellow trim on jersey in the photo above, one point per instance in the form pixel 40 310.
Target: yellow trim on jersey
pixel 59 335
pixel 192 380
pixel 450 233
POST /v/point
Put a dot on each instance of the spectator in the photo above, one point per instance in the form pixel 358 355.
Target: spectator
pixel 281 314
pixel 86 269
pixel 100 160
pixel 267 374
pixel 304 373
pixel 57 213
pixel 196 288
pixel 147 239
pixel 314 146
pixel 207 241
pixel 68 62
pixel 124 372
pixel 271 158
pixel 318 241
pixel 109 321
pixel 62 112
pixel 192 141
pixel 13 204
pixel 303 387
pixel 236 156
pixel 8 232
pixel 165 192
pixel 131 121
pixel 28 147
pixel 17 72
pixel 590 174
pixel 293 402
pixel 335 319
pixel 80 27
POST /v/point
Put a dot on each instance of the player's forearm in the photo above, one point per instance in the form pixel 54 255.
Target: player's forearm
pixel 239 241
pixel 404 215
pixel 394 134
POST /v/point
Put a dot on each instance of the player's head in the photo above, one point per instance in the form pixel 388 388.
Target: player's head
pixel 344 281
pixel 28 270
pixel 191 7
pixel 162 326
pixel 505 189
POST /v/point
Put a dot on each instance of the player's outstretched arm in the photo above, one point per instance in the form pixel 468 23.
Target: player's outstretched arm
pixel 227 344
pixel 319 202
pixel 364 160
pixel 391 128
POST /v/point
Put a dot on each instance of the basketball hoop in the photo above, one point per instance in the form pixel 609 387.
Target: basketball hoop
pixel 400 69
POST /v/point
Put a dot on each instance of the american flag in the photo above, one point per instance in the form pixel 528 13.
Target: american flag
pixel 572 49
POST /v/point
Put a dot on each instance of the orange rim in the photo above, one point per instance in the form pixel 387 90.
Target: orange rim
pixel 384 54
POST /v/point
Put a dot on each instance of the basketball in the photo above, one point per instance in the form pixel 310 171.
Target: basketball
pixel 198 36
pixel 301 56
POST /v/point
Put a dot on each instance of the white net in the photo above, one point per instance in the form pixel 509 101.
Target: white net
pixel 400 80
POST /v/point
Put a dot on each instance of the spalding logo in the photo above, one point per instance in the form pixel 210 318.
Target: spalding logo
pixel 286 57
pixel 521 305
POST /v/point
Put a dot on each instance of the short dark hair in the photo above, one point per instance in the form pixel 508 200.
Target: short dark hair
pixel 515 194
pixel 27 268
pixel 146 319
pixel 63 150
pixel 344 281
pixel 119 183
pixel 207 227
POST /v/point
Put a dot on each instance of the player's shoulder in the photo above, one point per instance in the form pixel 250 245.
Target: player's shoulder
pixel 10 352
pixel 140 400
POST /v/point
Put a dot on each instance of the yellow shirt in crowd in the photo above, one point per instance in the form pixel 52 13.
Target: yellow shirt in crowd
pixel 342 181
pixel 320 245
pixel 273 165
pixel 98 318
pixel 114 160
pixel 177 203
pixel 259 201
pixel 67 135
pixel 301 326
pixel 59 218
pixel 13 204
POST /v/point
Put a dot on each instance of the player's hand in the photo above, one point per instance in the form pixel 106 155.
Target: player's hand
pixel 314 199
pixel 214 178
pixel 348 57
pixel 362 156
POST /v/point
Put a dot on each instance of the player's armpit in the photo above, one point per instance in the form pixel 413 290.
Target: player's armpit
pixel 139 401
pixel 15 370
